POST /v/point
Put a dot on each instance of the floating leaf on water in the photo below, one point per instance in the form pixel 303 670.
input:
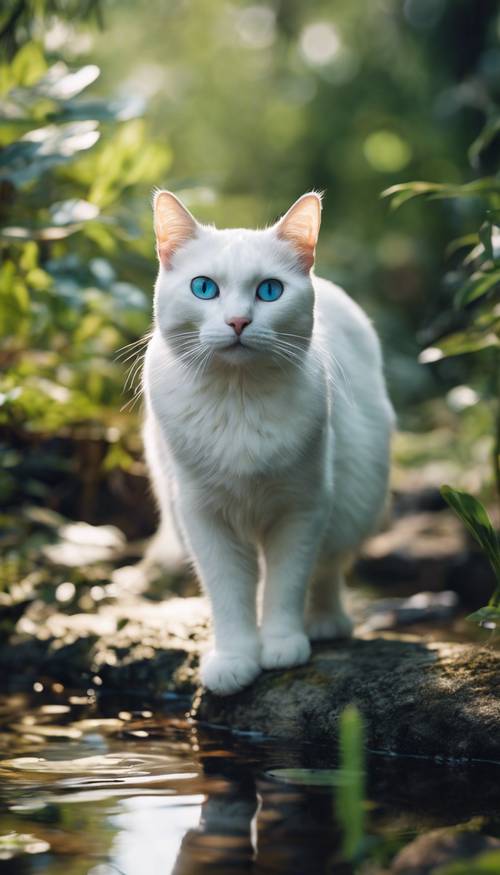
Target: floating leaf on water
pixel 310 777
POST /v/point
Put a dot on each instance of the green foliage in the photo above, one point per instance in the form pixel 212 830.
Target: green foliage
pixel 332 96
pixel 480 269
pixel 67 167
pixel 477 300
pixel 475 517
pixel 348 782
pixel 484 864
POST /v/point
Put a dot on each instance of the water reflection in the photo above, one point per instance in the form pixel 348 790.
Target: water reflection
pixel 118 791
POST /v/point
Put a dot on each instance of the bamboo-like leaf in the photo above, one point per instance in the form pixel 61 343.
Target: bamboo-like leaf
pixel 487 135
pixel 475 517
pixel 479 284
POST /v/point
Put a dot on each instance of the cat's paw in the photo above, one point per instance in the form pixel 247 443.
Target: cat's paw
pixel 284 651
pixel 327 627
pixel 228 673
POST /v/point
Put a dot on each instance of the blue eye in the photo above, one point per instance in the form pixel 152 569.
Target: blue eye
pixel 205 288
pixel 270 290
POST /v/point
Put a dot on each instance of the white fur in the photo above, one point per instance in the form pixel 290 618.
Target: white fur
pixel 269 460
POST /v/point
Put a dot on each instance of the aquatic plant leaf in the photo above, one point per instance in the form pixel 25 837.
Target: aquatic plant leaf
pixel 350 794
pixel 311 777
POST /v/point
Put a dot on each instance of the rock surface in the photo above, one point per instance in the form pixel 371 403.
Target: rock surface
pixel 417 697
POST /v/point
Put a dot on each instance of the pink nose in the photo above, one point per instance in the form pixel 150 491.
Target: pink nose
pixel 238 323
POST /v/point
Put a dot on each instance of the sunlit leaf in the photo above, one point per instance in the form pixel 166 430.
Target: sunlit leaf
pixel 43 148
pixel 459 343
pixel 488 616
pixel 61 84
pixel 49 233
pixel 460 243
pixel 405 191
pixel 29 64
pixel 73 211
pixel 479 284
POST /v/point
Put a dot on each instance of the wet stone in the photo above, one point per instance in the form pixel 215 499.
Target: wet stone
pixel 417 697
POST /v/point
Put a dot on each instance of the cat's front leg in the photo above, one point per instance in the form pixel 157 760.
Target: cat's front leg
pixel 228 571
pixel 290 551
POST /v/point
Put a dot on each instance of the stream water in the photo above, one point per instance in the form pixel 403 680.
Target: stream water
pixel 116 787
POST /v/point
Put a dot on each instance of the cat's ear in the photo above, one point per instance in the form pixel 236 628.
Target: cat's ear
pixel 174 225
pixel 300 227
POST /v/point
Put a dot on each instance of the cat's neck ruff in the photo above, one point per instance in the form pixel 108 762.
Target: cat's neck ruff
pixel 233 419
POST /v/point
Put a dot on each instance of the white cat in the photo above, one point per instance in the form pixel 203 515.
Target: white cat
pixel 267 432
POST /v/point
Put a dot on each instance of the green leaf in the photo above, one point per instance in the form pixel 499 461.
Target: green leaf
pixel 461 243
pixel 485 233
pixel 350 794
pixel 310 777
pixel 487 863
pixel 73 211
pixel 487 135
pixel 478 285
pixel 475 517
pixel 60 84
pixel 405 191
pixel 29 64
pixel 42 148
pixel 120 110
pixel 487 616
pixel 459 343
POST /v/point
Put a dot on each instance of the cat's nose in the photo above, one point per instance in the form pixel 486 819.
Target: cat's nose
pixel 238 323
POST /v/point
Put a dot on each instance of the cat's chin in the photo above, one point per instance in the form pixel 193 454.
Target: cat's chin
pixel 235 354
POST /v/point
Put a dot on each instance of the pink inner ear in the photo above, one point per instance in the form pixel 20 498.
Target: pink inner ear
pixel 174 225
pixel 300 227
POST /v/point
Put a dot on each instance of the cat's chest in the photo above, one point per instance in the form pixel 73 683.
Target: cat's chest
pixel 231 430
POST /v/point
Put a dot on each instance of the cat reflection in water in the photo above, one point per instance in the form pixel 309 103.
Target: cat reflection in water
pixel 267 433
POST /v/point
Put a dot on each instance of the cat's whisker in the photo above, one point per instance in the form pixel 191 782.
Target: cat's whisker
pixel 129 373
pixel 129 346
pixel 133 355
pixel 133 374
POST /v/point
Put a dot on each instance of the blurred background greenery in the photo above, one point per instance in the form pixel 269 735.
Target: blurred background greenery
pixel 239 107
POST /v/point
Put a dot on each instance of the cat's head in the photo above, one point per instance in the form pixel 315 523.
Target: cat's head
pixel 235 295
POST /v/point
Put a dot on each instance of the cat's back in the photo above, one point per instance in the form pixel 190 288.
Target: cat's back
pixel 343 323
pixel 362 416
pixel 351 353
